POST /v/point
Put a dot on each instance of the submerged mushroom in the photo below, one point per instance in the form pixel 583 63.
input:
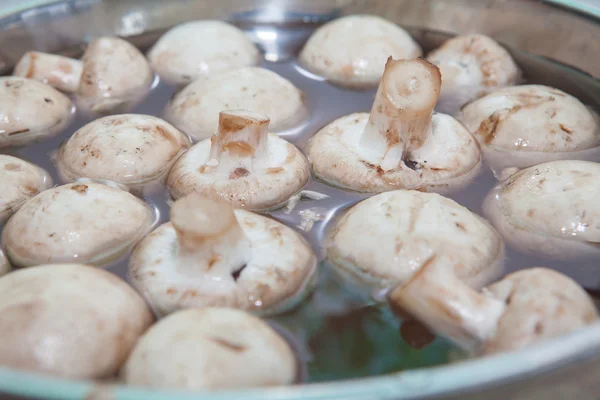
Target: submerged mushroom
pixel 19 181
pixel 525 125
pixel 211 255
pixel 129 149
pixel 402 144
pixel 211 348
pixel 352 51
pixel 524 308
pixel 83 222
pixel 242 163
pixel 472 66
pixel 199 48
pixel 551 209
pixel 69 320
pixel 63 73
pixel 31 111
pixel 195 110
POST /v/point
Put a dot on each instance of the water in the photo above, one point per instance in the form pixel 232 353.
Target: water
pixel 338 333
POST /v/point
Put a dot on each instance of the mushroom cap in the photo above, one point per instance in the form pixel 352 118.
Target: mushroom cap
pixel 58 71
pixel 19 181
pixel 115 76
pixel 211 348
pixel 69 320
pixel 550 209
pixel 351 51
pixel 448 160
pixel 31 111
pixel 195 110
pixel 472 66
pixel 85 222
pixel 521 126
pixel 540 304
pixel 129 149
pixel 199 48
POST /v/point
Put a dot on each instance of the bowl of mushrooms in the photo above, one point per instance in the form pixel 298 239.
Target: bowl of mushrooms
pixel 299 200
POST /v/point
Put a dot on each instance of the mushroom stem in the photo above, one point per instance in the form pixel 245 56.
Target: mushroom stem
pixel 441 300
pixel 209 236
pixel 61 72
pixel 400 119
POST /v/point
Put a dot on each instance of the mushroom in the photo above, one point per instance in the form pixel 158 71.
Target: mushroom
pixel 242 163
pixel 195 110
pixel 211 348
pixel 69 320
pixel 472 66
pixel 211 255
pixel 129 149
pixel 63 73
pixel 352 51
pixel 550 209
pixel 84 222
pixel 385 240
pixel 19 181
pixel 199 48
pixel 524 308
pixel 402 144
pixel 525 125
pixel 31 111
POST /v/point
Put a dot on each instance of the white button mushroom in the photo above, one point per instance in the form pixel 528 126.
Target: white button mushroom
pixel 550 209
pixel 31 111
pixel 472 66
pixel 198 48
pixel 84 222
pixel 211 348
pixel 211 255
pixel 525 125
pixel 352 51
pixel 19 181
pixel 129 149
pixel 69 320
pixel 242 163
pixel 402 144
pixel 63 73
pixel 195 110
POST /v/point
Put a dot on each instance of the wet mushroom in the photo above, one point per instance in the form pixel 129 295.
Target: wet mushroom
pixel 525 125
pixel 402 144
pixel 211 348
pixel 19 181
pixel 242 163
pixel 199 48
pixel 69 320
pixel 211 255
pixel 80 222
pixel 61 72
pixel 550 209
pixel 472 66
pixel 195 110
pixel 31 111
pixel 129 149
pixel 352 51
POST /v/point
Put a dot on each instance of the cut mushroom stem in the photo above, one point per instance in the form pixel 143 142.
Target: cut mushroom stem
pixel 400 119
pixel 63 73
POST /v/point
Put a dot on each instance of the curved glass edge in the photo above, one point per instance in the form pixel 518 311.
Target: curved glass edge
pixel 583 6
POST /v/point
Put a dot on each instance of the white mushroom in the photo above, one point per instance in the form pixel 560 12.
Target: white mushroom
pixel 242 163
pixel 31 111
pixel 551 209
pixel 195 110
pixel 83 222
pixel 211 255
pixel 352 51
pixel 525 125
pixel 402 144
pixel 199 48
pixel 211 348
pixel 19 181
pixel 129 149
pixel 63 73
pixel 69 320
pixel 472 66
